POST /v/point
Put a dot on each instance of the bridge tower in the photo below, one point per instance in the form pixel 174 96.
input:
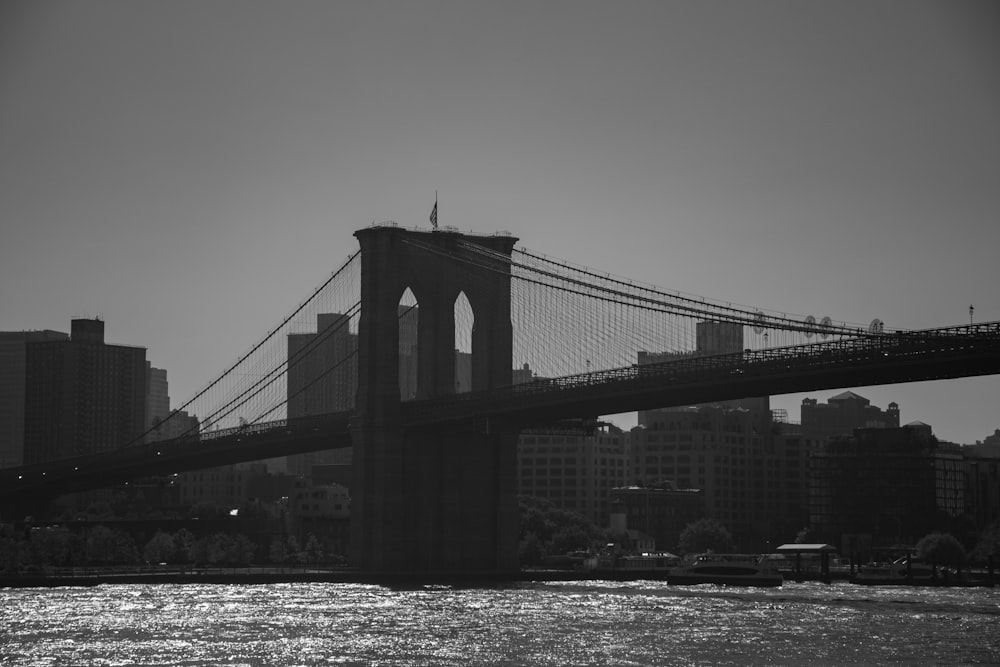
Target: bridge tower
pixel 442 501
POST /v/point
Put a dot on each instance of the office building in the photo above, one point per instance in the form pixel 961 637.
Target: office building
pixel 82 396
pixel 322 378
pixel 157 401
pixel 13 360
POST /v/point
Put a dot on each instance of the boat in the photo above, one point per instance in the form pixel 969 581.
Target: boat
pixel 900 571
pixel 625 567
pixel 726 569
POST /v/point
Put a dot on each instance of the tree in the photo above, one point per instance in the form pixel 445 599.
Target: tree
pixel 215 549
pixel 806 536
pixel 529 550
pixel 941 548
pixel 110 547
pixel 276 552
pixel 292 552
pixel 184 542
pixel 705 535
pixel 14 554
pixel 242 551
pixel 546 529
pixel 53 546
pixel 988 543
pixel 313 550
pixel 160 548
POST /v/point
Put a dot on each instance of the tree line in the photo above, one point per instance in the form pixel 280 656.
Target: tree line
pixel 102 546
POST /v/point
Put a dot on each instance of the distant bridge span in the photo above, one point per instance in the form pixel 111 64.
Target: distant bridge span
pixel 933 354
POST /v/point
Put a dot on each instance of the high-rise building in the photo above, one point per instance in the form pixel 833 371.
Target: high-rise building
pixel 322 378
pixel 322 367
pixel 82 395
pixel 12 372
pixel 157 400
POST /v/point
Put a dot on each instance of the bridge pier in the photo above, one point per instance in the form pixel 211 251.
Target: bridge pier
pixel 442 501
pixel 435 503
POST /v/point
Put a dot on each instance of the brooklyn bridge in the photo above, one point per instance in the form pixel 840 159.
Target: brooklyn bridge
pixel 429 351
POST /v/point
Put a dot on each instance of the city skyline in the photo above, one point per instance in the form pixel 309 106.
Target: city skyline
pixel 191 172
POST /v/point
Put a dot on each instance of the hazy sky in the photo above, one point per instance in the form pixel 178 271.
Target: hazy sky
pixel 190 170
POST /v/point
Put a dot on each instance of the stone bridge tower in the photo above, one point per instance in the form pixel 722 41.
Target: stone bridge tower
pixel 442 501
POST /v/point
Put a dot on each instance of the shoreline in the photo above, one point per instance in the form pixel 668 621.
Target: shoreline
pixel 266 575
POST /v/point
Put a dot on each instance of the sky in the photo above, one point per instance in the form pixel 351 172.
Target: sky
pixel 189 171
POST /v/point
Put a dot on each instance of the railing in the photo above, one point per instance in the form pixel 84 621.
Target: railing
pixel 978 342
pixel 881 347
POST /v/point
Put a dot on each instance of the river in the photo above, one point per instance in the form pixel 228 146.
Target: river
pixel 564 623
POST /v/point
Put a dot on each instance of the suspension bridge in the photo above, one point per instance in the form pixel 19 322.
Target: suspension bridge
pixel 427 351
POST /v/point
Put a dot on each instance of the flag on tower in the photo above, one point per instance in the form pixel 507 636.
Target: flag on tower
pixel 434 215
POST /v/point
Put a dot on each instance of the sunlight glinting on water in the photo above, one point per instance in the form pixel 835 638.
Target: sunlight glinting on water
pixel 588 623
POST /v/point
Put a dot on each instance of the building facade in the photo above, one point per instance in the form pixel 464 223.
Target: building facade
pixel 322 378
pixel 982 484
pixel 82 396
pixel 843 413
pixel 731 455
pixel 223 487
pixel 573 469
pixel 662 512
pixel 894 484
pixel 13 360
pixel 157 401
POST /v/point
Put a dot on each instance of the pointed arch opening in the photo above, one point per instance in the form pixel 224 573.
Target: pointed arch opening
pixel 464 321
pixel 409 318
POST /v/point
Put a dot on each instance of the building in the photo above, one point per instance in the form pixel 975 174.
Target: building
pixel 322 378
pixel 843 413
pixel 574 469
pixel 178 423
pixel 82 396
pixel 661 512
pixel 322 511
pixel 13 360
pixel 728 453
pixel 157 401
pixel 894 484
pixel 982 484
pixel 224 487
pixel 726 449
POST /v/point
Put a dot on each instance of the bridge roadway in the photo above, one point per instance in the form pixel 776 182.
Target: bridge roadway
pixel 932 354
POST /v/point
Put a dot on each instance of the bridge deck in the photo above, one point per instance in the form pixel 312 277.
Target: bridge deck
pixel 933 354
